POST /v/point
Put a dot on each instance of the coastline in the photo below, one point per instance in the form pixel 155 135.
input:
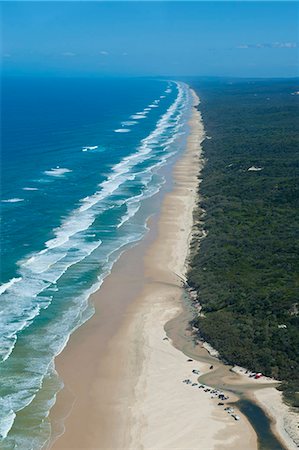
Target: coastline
pixel 284 422
pixel 123 369
pixel 122 377
pixel 281 422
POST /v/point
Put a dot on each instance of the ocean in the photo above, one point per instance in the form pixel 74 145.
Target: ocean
pixel 80 158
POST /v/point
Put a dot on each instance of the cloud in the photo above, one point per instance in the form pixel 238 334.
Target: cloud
pixel 270 45
pixel 68 54
pixel 103 52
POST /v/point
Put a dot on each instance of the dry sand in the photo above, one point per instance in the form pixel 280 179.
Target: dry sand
pixel 166 413
pixel 122 378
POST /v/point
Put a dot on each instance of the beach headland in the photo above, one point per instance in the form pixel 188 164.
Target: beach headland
pixel 123 377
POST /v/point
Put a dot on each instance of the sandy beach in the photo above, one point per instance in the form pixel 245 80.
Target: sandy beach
pixel 149 273
pixel 122 376
pixel 285 421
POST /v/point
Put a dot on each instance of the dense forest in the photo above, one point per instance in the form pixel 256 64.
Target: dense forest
pixel 246 271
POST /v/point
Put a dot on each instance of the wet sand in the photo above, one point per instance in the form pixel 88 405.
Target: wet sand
pixel 122 376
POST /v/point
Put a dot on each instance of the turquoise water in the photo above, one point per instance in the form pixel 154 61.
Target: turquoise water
pixel 79 158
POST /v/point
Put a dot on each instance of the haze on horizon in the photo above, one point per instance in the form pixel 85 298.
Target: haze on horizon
pixel 254 39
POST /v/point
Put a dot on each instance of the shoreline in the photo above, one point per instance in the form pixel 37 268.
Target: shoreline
pixel 120 372
pixel 282 423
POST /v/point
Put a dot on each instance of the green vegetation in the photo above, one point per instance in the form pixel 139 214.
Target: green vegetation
pixel 246 272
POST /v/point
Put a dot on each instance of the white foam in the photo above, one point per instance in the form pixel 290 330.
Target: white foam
pixel 30 189
pixel 122 130
pixel 38 273
pixel 129 122
pixel 45 268
pixel 57 171
pixel 254 169
pixel 5 286
pixel 133 204
pixel 13 200
pixel 69 228
pixel 137 116
pixel 132 209
pixel 51 261
pixel 153 105
pixel 119 175
pixel 85 149
pixel 162 96
pixel 43 261
pixel 6 423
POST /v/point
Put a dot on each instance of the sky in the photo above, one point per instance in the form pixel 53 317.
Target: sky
pixel 254 39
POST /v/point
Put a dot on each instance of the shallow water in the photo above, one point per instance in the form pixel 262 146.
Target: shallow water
pixel 82 184
pixel 222 378
pixel 261 424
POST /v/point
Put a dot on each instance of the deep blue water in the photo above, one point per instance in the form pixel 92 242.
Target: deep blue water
pixel 79 157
